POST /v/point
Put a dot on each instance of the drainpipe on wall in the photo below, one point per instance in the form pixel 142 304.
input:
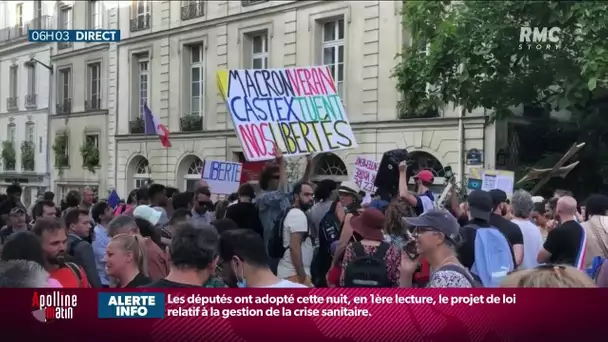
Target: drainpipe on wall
pixel 48 122
pixel 461 146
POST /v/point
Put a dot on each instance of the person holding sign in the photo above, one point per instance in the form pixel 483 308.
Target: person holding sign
pixel 424 200
pixel 273 199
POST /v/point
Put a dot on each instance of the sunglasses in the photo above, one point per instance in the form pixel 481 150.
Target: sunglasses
pixel 203 203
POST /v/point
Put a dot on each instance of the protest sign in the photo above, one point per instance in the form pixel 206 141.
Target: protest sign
pixel 365 174
pixel 299 109
pixel 486 180
pixel 223 177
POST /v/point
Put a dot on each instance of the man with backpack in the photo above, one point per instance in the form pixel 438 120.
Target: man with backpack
pixel 325 221
pixel 486 252
pixel 77 222
pixel 291 238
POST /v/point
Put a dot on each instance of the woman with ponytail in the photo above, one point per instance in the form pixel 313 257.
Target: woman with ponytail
pixel 126 261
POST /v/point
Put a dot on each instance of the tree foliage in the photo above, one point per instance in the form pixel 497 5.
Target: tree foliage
pixel 470 54
pixel 469 51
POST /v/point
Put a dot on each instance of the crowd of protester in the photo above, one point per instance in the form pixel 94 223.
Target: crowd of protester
pixel 304 235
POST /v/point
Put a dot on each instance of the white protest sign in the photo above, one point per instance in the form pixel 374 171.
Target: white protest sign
pixel 223 177
pixel 365 174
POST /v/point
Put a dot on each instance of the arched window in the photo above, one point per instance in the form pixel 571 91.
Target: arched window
pixel 329 165
pixel 142 173
pixel 194 174
pixel 425 160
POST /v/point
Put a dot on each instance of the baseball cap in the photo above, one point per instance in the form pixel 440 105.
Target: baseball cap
pixel 16 211
pixel 349 188
pixel 425 176
pixel 438 219
pixel 147 213
pixel 480 204
pixel 498 197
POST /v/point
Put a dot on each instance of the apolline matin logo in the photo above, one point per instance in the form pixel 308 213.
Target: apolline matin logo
pixel 539 38
pixel 53 306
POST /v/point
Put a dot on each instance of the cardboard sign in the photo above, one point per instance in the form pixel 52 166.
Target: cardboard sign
pixel 487 180
pixel 299 109
pixel 365 174
pixel 223 177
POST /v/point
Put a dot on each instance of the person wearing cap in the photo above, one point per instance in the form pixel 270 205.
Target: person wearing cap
pixel 436 234
pixel 147 213
pixel 424 200
pixel 509 229
pixel 348 193
pixel 479 210
pixel 16 223
pixel 369 227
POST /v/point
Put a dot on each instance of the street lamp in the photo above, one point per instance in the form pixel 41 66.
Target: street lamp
pixel 34 61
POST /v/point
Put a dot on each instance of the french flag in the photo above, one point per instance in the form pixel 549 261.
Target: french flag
pixel 153 126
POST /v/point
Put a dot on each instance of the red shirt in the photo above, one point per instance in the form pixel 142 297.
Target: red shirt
pixel 68 279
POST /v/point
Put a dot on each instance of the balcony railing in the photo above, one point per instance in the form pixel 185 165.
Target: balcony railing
pixel 92 105
pixel 64 106
pixel 64 45
pixel 16 32
pixel 191 123
pixel 137 126
pixel 252 2
pixel 12 103
pixel 30 100
pixel 191 10
pixel 140 22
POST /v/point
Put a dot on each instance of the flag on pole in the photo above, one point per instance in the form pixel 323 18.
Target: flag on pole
pixel 113 199
pixel 153 126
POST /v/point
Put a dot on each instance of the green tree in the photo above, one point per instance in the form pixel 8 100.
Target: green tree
pixel 470 53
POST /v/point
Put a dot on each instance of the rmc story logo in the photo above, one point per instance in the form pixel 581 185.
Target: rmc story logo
pixel 539 38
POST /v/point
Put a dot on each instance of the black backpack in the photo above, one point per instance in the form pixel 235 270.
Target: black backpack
pixel 276 249
pixel 329 229
pixel 367 270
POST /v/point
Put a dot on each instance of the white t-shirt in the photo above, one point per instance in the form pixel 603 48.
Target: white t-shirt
pixel 533 243
pixel 295 222
pixel 284 284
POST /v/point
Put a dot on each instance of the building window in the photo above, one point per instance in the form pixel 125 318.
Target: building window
pixel 30 97
pixel 95 17
pixel 65 17
pixel 141 15
pixel 12 133
pixel 192 9
pixel 64 91
pixel 196 80
pixel 252 2
pixel 93 140
pixel 19 15
pixel 30 129
pixel 333 50
pixel 65 23
pixel 142 84
pixel 11 101
pixel 193 177
pixel 259 51
pixel 142 173
pixel 94 86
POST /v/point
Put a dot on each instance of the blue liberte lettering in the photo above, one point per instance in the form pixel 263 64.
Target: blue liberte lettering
pixel 234 75
pixel 214 172
pixel 251 85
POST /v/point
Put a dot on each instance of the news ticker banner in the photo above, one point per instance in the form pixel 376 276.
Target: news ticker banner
pixel 66 36
pixel 305 314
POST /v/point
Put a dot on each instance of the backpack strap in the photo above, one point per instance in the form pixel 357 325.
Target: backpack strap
pixel 76 271
pixel 462 271
pixel 359 250
pixel 381 250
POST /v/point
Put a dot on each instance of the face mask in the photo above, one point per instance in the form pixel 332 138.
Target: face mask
pixel 240 280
